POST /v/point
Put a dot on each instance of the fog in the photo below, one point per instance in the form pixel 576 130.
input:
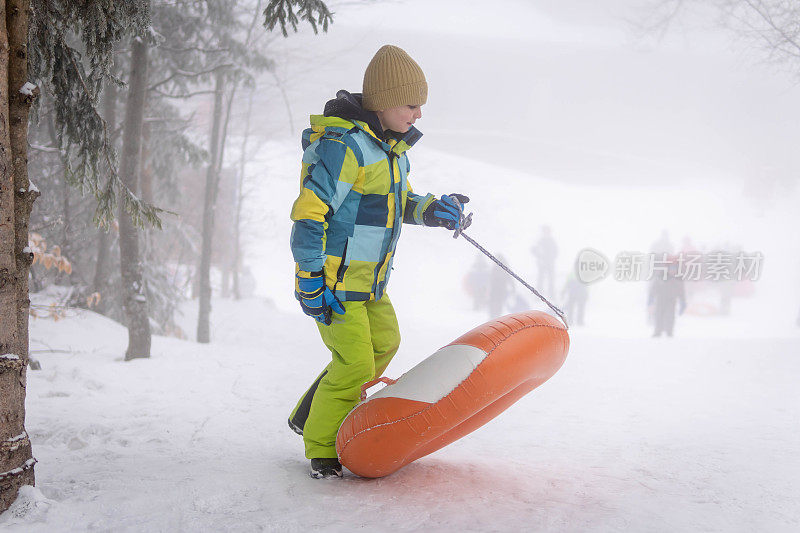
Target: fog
pixel 589 139
pixel 612 134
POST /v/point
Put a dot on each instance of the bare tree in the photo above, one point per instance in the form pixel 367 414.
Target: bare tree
pixel 240 197
pixel 246 58
pixel 134 299
pixel 771 26
pixel 212 179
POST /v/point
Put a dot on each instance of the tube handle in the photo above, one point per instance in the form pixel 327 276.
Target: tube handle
pixel 369 384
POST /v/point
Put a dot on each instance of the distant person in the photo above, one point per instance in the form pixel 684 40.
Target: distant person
pixel 500 288
pixel 354 199
pixel 662 245
pixel 726 290
pixel 687 245
pixel 691 254
pixel 727 285
pixel 575 294
pixel 666 295
pixel 476 283
pixel 247 282
pixel 546 250
pixel 518 304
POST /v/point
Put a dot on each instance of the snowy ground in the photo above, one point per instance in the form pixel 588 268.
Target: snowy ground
pixel 697 432
pixel 634 434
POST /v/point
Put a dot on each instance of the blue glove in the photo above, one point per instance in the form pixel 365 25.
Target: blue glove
pixel 446 211
pixel 315 298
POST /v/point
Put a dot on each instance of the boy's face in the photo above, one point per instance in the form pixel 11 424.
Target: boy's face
pixel 399 118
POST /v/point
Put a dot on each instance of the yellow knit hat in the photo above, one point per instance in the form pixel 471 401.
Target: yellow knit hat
pixel 393 79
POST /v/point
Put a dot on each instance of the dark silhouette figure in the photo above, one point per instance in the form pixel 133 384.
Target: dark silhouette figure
pixel 545 250
pixel 500 288
pixel 662 244
pixel 476 283
pixel 575 294
pixel 665 295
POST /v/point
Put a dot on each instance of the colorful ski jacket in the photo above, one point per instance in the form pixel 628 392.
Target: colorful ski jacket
pixel 354 198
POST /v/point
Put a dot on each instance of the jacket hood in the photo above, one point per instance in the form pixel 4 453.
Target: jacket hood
pixel 347 105
pixel 345 112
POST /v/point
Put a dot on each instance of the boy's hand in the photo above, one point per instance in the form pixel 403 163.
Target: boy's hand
pixel 446 211
pixel 315 298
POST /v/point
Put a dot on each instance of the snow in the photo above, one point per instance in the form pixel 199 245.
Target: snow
pixel 14 471
pixel 27 89
pixel 697 432
pixel 154 35
pixel 32 186
pixel 18 437
pixel 673 434
pixel 14 443
pixel 10 356
pixel 509 207
pixel 31 506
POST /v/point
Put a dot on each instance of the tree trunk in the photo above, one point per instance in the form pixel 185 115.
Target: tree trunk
pixel 134 300
pixel 204 271
pixel 146 173
pixel 103 234
pixel 237 223
pixel 225 263
pixel 16 200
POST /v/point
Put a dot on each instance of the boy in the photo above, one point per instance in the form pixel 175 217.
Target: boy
pixel 354 197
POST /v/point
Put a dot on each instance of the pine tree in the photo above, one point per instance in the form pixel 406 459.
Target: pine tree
pixel 101 269
pixel 16 200
pixel 290 12
pixel 44 50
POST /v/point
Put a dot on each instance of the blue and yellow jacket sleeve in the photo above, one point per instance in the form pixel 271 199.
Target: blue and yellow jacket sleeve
pixel 415 203
pixel 328 172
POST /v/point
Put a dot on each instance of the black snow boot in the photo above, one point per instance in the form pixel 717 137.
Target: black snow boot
pixel 326 467
pixel 294 427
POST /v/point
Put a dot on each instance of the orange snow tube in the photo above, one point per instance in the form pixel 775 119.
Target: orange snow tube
pixel 451 393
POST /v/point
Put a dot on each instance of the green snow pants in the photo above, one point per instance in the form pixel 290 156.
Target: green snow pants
pixel 362 342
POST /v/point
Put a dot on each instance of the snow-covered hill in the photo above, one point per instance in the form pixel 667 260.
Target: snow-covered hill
pixel 697 432
pixel 509 209
pixel 635 434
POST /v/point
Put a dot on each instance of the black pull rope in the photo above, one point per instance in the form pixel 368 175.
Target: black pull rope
pixel 464 224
